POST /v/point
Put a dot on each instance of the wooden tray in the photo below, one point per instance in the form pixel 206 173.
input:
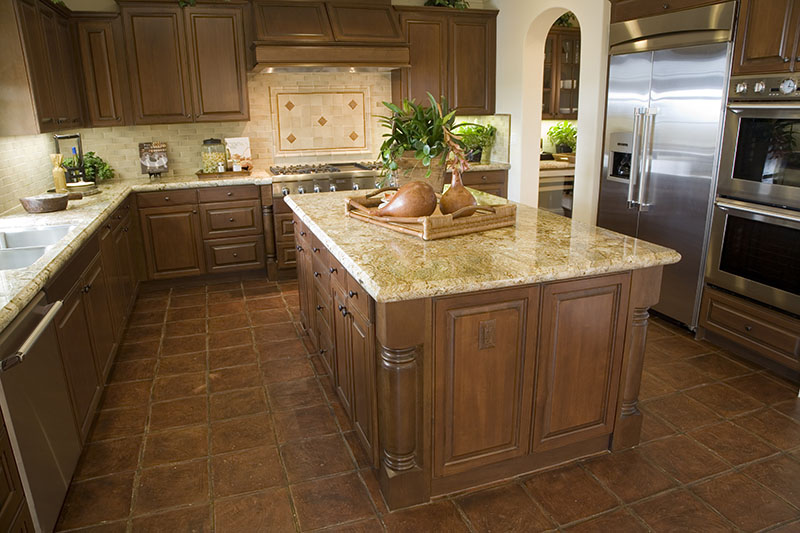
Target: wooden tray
pixel 437 225
pixel 221 175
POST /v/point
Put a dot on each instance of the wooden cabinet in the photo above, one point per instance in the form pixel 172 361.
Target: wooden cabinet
pixel 285 245
pixel 173 242
pixel 561 74
pixel 578 367
pixel 105 79
pixel 118 263
pixel 12 496
pixel 64 71
pixel 234 253
pixel 361 348
pixel 292 22
pixel 231 219
pixel 364 22
pixel 492 181
pixel 633 9
pixel 767 37
pixel 98 312
pixel 453 54
pixel 484 366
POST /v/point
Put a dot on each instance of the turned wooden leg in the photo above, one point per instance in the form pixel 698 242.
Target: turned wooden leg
pixel 645 292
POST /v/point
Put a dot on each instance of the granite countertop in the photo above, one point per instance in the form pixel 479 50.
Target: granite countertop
pixel 477 167
pixel 541 247
pixel 18 287
pixel 556 165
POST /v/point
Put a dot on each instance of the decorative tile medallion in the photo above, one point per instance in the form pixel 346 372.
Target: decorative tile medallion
pixel 291 138
pixel 322 121
pixel 353 104
pixel 289 105
pixel 353 136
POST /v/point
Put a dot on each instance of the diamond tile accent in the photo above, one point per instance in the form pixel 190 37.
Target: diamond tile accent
pixel 322 121
pixel 291 138
pixel 354 136
pixel 353 104
pixel 289 105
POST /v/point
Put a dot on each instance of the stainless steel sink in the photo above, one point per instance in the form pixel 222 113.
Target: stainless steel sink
pixel 20 257
pixel 40 236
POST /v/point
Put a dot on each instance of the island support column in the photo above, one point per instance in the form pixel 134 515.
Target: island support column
pixel 645 292
pixel 404 331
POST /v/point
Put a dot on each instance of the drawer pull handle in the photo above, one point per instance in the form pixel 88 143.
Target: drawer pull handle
pixel 343 310
pixel 352 294
pixel 316 274
pixel 332 270
pixel 483 178
pixel 786 59
pixel 323 351
pixel 125 229
pixel 230 194
pixel 748 328
pixel 302 233
pixel 294 222
pixel 87 288
pixel 320 308
pixel 235 254
pixel 230 219
pixel 108 226
pixel 299 248
pixel 194 211
pixel 166 198
pixel 316 250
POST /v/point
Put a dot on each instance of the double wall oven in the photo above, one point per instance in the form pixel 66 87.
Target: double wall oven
pixel 754 249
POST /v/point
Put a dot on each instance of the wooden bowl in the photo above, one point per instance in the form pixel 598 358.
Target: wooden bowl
pixel 45 203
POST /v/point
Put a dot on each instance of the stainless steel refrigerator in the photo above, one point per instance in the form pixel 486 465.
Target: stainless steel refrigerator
pixel 668 78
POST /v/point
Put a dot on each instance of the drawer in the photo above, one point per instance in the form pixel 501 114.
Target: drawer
pixel 287 256
pixel 301 233
pixel 234 192
pixel 236 253
pixel 319 251
pixel 321 273
pixel 231 219
pixel 284 228
pixel 477 178
pixel 322 306
pixel 338 273
pixel 167 198
pixel 357 298
pixel 767 332
pixel 327 352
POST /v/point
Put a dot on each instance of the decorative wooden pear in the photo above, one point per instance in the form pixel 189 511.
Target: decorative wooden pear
pixel 415 199
pixel 457 196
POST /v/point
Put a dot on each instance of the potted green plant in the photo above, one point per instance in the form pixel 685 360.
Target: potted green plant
pixel 458 4
pixel 96 168
pixel 419 141
pixel 564 136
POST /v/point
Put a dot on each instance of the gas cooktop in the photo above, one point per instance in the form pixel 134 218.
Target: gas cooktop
pixel 304 179
pixel 324 168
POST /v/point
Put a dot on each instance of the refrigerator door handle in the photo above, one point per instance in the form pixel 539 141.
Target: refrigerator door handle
pixel 636 149
pixel 647 158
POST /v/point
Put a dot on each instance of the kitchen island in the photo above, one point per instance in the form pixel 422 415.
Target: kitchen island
pixel 481 357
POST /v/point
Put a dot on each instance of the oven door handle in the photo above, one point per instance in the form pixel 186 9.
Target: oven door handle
pixel 770 212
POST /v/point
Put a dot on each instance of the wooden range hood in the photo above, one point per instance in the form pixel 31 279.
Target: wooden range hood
pixel 334 35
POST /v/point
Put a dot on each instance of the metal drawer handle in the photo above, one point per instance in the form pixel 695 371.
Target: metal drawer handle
pixel 343 310
pixel 316 274
pixel 332 270
pixel 235 254
pixel 785 59
pixel 483 178
pixel 87 288
pixel 12 361
pixel 320 308
pixel 352 294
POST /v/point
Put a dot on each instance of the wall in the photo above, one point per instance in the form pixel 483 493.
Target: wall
pixel 522 27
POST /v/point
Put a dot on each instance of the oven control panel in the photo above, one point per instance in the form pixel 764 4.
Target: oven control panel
pixel 765 88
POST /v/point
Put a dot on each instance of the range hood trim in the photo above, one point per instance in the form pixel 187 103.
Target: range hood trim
pixel 339 57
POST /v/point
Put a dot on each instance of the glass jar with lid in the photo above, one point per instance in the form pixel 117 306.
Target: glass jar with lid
pixel 213 156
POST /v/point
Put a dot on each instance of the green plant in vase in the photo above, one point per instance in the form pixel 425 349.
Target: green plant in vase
pixel 95 167
pixel 564 136
pixel 458 4
pixel 478 141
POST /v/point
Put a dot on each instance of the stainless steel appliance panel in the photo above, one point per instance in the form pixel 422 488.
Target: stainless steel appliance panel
pixel 675 191
pixel 628 91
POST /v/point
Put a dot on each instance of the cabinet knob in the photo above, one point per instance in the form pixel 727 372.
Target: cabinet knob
pixel 125 229
pixel 230 219
pixel 108 226
pixel 483 178
pixel 302 233
pixel 87 288
pixel 230 194
pixel 235 254
pixel 299 248
pixel 786 59
pixel 665 6
pixel 118 119
pixel 316 274
pixel 323 351
pixel 194 211
pixel 166 198
pixel 343 310
pixel 352 294
pixel 294 222
pixel 320 308
pixel 332 270
pixel 188 115
pixel 748 328
pixel 315 250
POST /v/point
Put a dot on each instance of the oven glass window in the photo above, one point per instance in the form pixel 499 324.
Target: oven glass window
pixel 768 151
pixel 762 252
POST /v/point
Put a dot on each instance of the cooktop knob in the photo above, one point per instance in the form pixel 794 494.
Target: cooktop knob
pixel 285 191
pixel 301 190
pixel 316 188
pixel 356 187
pixel 788 86
pixel 333 188
pixel 759 87
pixel 741 87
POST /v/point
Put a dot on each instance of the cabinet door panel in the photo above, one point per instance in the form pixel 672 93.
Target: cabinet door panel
pixel 365 421
pixel 66 59
pixel 427 39
pixel 578 362
pixel 292 22
pixel 11 495
pixel 111 267
pixel 99 314
pixel 364 23
pixel 101 72
pixel 159 77
pixel 127 277
pixel 216 45
pixel 765 38
pixel 344 366
pixel 473 46
pixel 173 242
pixel 483 374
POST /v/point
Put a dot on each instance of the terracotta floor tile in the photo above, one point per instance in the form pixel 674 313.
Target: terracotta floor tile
pixel 744 502
pixel 136 370
pixel 569 494
pixel 129 394
pixel 283 370
pixel 241 433
pixel 227 286
pixel 118 423
pixel 680 511
pixel 107 527
pixel 97 500
pixel 180 288
pixel 371 525
pixel 775 428
pixel 724 399
pixel 172 485
pixel 152 301
pixel 187 300
pixel 223 296
pixel 718 366
pixel 341 416
pixel 143 333
pixel 175 445
pixel 259 304
pixel 295 394
pixel 108 457
pixel 505 508
pixel 763 388
pixel 732 443
pixel 225 308
pixel 139 350
pixel 780 474
pixel 437 516
pixel 629 475
pixel 357 449
pixel 175 413
pixel 246 471
pixel 238 403
pixel 304 423
pixel 274 332
pixel 226 339
pixel 186 313
pixel 652 387
pixel 269 316
pixel 264 511
pixel 679 374
pixel 282 350
pixel 235 356
pixel 261 292
pixel 312 458
pixel 182 345
pixel 227 323
pixel 653 427
pixel 196 519
pixel 329 501
pixel 682 458
pixel 616 521
pixel 235 377
pixel 291 299
pixel 790 527
pixel 369 478
pixel 171 387
pixel 146 318
pixel 183 328
pixel 790 408
pixel 182 364
pixel 682 412
pixel 681 347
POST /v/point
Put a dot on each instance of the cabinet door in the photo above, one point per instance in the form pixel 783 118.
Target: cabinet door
pixel 427 41
pixel 580 351
pixel 11 494
pixel 549 78
pixel 302 284
pixel 484 358
pixel 568 75
pixel 362 356
pixel 217 63
pixel 344 355
pixel 157 63
pixel 97 299
pixel 471 73
pixel 172 241
pixel 364 23
pixel 67 67
pixel 102 72
pixel 292 21
pixel 111 267
pixel 79 359
pixel 766 36
pixel 36 57
pixel 127 277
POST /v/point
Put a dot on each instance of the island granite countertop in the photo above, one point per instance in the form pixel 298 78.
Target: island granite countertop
pixel 19 286
pixel 542 247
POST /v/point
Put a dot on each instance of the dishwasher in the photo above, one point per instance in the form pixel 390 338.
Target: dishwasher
pixel 36 406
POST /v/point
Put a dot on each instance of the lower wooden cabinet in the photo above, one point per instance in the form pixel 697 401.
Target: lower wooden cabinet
pixel 344 365
pixel 173 241
pixel 98 312
pixel 493 181
pixel 11 493
pixel 361 348
pixel 234 253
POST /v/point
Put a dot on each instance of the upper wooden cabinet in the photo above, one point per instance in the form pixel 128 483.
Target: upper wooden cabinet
pixel 186 65
pixel 453 54
pixel 562 55
pixel 354 22
pixel 633 9
pixel 767 37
